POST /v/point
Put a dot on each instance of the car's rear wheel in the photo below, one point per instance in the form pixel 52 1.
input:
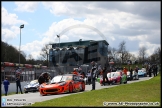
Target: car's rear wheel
pixel 70 88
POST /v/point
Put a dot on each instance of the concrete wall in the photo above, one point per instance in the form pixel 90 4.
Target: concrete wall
pixel 12 87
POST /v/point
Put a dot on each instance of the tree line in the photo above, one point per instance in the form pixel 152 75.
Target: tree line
pixel 11 54
pixel 119 55
pixel 122 55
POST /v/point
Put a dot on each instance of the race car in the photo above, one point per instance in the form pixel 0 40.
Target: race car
pixel 142 73
pixel 32 86
pixel 66 83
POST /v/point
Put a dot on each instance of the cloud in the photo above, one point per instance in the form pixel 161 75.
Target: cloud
pixel 9 34
pixel 9 19
pixel 33 48
pixel 10 30
pixel 137 23
pixel 26 6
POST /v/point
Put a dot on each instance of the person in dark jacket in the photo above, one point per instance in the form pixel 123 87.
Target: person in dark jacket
pixel 105 76
pixel 131 73
pixel 93 74
pixel 18 84
pixel 156 70
pixel 41 79
pixel 150 71
pixel 89 77
pixel 6 84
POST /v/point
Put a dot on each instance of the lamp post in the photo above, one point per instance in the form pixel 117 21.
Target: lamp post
pixel 59 48
pixel 21 26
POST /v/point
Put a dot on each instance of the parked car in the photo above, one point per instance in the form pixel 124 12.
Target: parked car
pixel 111 77
pixel 117 77
pixel 32 86
pixel 66 83
pixel 142 73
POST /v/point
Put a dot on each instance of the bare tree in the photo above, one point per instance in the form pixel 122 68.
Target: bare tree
pixel 122 50
pixel 158 53
pixel 112 52
pixel 156 56
pixel 142 53
pixel 23 53
pixel 126 56
pixel 45 53
pixel 133 58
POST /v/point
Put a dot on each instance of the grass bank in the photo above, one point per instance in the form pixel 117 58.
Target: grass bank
pixel 144 91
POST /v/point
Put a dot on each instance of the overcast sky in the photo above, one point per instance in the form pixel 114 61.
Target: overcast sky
pixel 136 23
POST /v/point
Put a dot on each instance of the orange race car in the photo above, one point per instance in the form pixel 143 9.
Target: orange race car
pixel 63 84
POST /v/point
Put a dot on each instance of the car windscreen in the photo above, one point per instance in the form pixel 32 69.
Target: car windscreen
pixel 112 74
pixel 117 74
pixel 33 82
pixel 140 71
pixel 60 78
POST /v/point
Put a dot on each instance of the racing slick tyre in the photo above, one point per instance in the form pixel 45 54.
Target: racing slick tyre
pixel 70 88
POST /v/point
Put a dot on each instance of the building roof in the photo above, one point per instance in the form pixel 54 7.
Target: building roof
pixel 77 43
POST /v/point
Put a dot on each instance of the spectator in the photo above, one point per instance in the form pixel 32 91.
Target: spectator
pixel 41 79
pixel 136 72
pixel 6 84
pixel 18 84
pixel 44 77
pixel 156 70
pixel 131 73
pixel 89 77
pixel 125 71
pixel 105 76
pixel 93 74
pixel 153 70
pixel 150 71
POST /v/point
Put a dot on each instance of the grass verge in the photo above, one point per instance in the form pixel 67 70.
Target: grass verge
pixel 144 91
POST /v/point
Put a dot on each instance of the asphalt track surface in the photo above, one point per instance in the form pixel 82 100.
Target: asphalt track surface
pixel 36 97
